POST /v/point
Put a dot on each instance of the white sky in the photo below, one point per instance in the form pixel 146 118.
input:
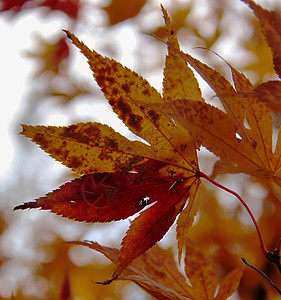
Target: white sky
pixel 15 72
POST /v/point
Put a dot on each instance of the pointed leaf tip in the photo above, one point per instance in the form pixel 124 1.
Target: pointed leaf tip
pixel 68 34
pixel 26 206
pixel 23 129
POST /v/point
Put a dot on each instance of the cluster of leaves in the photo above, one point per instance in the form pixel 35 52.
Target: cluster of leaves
pixel 119 177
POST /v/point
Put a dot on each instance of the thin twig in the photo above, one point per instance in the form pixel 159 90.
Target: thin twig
pixel 265 276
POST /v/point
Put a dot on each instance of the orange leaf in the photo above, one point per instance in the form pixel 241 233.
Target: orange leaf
pixel 270 23
pixel 179 81
pixel 270 93
pixel 242 147
pixel 124 90
pixel 200 272
pixel 155 271
pixel 229 284
pixel 89 147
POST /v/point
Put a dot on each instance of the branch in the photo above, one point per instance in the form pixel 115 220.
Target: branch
pixel 265 276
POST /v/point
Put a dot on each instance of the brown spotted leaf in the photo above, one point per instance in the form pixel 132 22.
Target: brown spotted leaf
pixel 89 147
pixel 155 271
pixel 124 90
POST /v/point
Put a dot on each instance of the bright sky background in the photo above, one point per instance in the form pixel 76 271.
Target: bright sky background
pixel 15 75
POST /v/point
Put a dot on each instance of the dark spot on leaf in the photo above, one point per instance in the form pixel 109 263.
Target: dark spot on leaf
pixel 92 131
pixel 103 156
pixel 135 122
pixel 112 102
pixel 51 130
pixel 126 88
pixel 128 166
pixel 57 151
pixel 114 91
pixel 153 115
pixel 75 162
pixel 40 139
pixel 110 143
pixel 110 79
pixel 254 144
pixel 146 92
pixel 71 132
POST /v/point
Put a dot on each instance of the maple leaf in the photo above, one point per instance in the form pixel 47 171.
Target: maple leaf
pixel 242 135
pixel 270 24
pixel 105 197
pixel 157 273
pixel 119 176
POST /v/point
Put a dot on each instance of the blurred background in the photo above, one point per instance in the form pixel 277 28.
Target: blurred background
pixel 45 80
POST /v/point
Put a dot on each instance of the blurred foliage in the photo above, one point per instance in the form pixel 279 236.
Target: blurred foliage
pixel 222 230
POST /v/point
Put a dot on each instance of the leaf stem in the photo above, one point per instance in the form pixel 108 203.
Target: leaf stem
pixel 263 247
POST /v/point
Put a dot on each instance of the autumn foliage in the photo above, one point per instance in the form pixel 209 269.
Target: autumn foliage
pixel 158 177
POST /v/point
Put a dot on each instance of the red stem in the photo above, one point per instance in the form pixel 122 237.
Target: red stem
pixel 263 248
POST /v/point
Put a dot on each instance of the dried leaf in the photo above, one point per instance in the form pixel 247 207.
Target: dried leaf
pixel 124 90
pixel 229 284
pixel 242 146
pixel 89 147
pixel 199 272
pixel 155 271
pixel 179 81
pixel 270 23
